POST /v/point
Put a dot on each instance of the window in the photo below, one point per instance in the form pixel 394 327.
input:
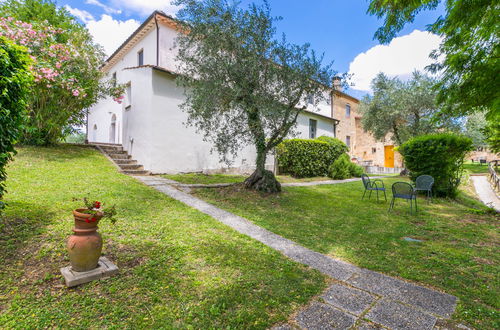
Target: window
pixel 312 128
pixel 374 150
pixel 348 141
pixel 114 79
pixel 348 111
pixel 140 57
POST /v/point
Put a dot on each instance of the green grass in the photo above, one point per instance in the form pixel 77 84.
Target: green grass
pixel 459 254
pixel 178 267
pixel 476 168
pixel 200 178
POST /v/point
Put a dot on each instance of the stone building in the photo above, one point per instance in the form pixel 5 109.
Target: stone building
pixel 378 156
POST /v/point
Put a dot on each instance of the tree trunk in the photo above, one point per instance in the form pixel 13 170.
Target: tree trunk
pixel 261 179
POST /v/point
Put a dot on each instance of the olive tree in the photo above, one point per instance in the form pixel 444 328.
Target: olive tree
pixel 243 85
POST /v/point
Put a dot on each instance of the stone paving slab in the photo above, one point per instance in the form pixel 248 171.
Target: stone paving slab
pixel 391 311
pixel 350 299
pixel 429 300
pixel 105 268
pixel 398 316
pixel 322 316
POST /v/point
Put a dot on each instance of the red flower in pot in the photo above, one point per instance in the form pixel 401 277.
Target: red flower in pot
pixel 85 245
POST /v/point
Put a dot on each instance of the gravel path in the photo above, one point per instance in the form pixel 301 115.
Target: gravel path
pixel 358 294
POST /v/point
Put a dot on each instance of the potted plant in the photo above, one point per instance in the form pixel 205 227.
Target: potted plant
pixel 85 245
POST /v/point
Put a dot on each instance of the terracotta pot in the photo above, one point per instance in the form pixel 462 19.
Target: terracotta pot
pixel 80 219
pixel 85 245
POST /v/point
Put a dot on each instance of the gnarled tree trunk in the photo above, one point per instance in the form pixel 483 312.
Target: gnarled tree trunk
pixel 261 179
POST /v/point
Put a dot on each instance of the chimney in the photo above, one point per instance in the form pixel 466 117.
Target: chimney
pixel 337 83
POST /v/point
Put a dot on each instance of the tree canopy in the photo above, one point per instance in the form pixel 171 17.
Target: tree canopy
pixel 66 65
pixel 402 110
pixel 470 70
pixel 243 85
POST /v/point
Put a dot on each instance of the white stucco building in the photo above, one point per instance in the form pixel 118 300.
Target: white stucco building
pixel 149 123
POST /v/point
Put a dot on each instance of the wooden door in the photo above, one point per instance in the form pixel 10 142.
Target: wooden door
pixel 389 156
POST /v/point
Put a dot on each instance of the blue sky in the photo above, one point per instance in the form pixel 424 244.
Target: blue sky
pixel 339 28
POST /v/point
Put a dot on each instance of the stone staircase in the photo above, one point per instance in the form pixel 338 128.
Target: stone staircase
pixel 122 159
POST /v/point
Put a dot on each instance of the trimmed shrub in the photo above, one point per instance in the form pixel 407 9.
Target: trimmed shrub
pixel 341 168
pixel 438 155
pixel 356 170
pixel 14 80
pixel 308 158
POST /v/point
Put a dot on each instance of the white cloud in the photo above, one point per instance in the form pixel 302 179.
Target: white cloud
pixel 400 58
pixel 147 7
pixel 111 33
pixel 107 9
pixel 83 15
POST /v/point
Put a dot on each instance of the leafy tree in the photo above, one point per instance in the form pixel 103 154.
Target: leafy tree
pixel 243 86
pixel 15 79
pixel 66 66
pixel 440 156
pixel 492 133
pixel 402 110
pixel 475 125
pixel 471 49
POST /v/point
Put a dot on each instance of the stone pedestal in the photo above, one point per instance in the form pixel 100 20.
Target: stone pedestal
pixel 105 268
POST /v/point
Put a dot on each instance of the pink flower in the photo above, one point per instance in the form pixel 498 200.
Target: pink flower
pixel 76 92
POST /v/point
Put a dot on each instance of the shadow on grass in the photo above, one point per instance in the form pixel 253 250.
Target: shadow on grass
pixel 18 230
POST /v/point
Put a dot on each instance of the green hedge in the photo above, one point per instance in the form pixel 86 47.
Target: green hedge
pixel 308 158
pixel 15 78
pixel 438 155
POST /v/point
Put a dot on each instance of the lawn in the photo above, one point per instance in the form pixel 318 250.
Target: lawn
pixel 475 168
pixel 178 267
pixel 459 252
pixel 200 178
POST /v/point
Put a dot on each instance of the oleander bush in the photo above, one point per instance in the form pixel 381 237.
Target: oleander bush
pixel 308 157
pixel 438 155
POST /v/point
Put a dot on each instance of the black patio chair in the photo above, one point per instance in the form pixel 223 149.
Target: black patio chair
pixel 424 183
pixel 372 185
pixel 403 190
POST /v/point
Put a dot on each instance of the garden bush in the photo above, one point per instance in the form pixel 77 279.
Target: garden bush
pixel 308 158
pixel 14 80
pixel 356 170
pixel 438 155
pixel 341 168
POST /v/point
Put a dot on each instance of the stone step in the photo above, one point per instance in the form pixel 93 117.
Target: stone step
pixel 119 156
pixel 109 149
pixel 125 161
pixel 127 167
pixel 116 152
pixel 136 172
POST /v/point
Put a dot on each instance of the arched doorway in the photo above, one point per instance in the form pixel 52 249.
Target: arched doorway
pixel 112 129
pixel 94 133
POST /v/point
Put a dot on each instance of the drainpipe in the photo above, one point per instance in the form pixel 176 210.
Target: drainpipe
pixel 157 42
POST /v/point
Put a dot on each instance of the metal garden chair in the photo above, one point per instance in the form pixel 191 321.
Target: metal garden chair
pixel 424 183
pixel 372 185
pixel 403 190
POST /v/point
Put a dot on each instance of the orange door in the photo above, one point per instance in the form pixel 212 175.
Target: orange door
pixel 389 156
